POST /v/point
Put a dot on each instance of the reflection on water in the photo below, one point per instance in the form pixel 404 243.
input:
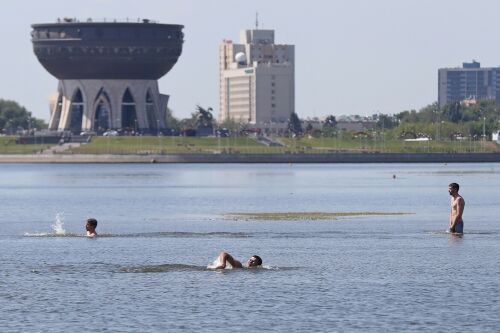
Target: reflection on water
pixel 456 239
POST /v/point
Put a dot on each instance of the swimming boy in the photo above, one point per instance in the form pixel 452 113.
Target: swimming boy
pixel 457 209
pixel 224 258
pixel 90 227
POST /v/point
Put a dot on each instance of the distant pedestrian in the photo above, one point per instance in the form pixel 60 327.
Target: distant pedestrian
pixel 457 210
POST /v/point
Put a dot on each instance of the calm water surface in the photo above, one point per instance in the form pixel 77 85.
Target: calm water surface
pixel 161 225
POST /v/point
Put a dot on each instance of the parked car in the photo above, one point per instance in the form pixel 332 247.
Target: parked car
pixel 110 133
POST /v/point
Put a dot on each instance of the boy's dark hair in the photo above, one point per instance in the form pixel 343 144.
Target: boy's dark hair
pixel 92 222
pixel 258 260
pixel 455 186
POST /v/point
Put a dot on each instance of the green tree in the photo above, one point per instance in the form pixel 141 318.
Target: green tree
pixel 189 123
pixel 13 116
pixel 309 128
pixel 233 126
pixel 453 112
pixel 386 121
pixel 172 122
pixel 294 125
pixel 330 121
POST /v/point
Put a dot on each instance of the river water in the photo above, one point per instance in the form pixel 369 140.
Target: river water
pixel 161 225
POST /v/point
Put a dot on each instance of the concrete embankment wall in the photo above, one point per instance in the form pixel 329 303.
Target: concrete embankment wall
pixel 256 158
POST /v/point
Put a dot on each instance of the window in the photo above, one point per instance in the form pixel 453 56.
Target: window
pixel 129 116
pixel 150 112
pixel 76 112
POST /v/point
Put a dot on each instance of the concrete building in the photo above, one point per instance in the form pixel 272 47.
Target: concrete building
pixel 257 79
pixel 108 73
pixel 471 82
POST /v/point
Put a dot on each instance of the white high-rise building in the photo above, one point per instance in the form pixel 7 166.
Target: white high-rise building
pixel 257 79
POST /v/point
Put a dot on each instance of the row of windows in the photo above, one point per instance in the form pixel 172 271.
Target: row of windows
pixel 239 85
pixel 236 99
pixel 240 103
pixel 113 33
pixel 241 107
pixel 127 98
pixel 107 50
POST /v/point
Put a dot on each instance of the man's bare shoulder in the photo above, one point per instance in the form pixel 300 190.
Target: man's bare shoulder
pixel 237 264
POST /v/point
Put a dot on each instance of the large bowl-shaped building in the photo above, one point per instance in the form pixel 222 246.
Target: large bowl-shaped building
pixel 107 73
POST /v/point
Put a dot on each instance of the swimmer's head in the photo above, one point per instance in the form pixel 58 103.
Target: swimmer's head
pixel 91 224
pixel 453 188
pixel 254 261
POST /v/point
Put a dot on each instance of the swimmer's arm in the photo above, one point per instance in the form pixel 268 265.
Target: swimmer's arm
pixel 225 258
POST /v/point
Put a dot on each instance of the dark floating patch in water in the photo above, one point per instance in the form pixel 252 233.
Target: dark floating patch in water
pixel 184 234
pixel 180 234
pixel 163 268
pixel 75 268
pixel 303 216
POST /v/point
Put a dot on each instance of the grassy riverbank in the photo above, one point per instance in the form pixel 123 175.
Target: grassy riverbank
pixel 142 145
pixel 8 146
pixel 166 145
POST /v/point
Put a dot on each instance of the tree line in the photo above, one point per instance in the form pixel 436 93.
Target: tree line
pixel 14 117
pixel 454 120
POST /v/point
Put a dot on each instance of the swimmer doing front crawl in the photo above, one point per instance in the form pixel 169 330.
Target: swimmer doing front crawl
pixel 224 258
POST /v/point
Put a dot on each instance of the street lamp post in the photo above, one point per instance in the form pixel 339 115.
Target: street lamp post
pixel 484 133
pixel 484 128
pixel 158 135
pixel 173 135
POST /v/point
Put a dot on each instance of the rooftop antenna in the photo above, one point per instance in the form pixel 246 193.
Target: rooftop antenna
pixel 256 20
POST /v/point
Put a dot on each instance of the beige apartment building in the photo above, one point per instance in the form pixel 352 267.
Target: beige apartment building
pixel 257 79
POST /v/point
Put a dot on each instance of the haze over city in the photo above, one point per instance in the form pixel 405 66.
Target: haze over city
pixel 352 57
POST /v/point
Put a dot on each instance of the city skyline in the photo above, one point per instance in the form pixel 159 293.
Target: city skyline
pixel 351 57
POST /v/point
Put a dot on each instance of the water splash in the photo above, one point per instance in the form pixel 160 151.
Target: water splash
pixel 216 263
pixel 58 226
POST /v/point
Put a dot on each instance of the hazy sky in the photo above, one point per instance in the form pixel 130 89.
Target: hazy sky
pixel 352 56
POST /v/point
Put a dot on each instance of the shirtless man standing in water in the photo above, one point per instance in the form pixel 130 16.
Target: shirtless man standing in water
pixel 457 209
